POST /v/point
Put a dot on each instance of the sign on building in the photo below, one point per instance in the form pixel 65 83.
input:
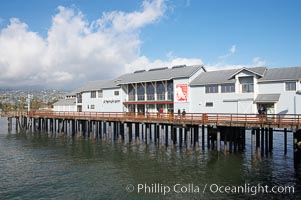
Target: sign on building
pixel 181 92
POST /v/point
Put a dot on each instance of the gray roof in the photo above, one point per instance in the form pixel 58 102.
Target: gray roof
pixel 278 74
pixel 267 98
pixel 256 70
pixel 223 76
pixel 97 85
pixel 159 74
pixel 65 102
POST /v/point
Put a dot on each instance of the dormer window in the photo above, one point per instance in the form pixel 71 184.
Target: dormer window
pixel 290 86
pixel 247 84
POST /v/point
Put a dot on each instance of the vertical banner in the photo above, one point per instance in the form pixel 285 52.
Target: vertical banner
pixel 181 92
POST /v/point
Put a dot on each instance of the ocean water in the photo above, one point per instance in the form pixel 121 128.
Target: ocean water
pixel 44 166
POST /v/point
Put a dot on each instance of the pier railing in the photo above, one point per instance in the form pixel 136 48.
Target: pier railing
pixel 221 119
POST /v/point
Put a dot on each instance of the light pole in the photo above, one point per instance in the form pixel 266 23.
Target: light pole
pixel 29 97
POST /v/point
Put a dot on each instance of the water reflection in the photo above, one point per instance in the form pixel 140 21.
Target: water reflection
pixel 40 165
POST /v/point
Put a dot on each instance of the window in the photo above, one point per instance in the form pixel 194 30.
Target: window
pixel 169 90
pixel 160 91
pixel 92 106
pixel 100 94
pixel 140 91
pixel 131 93
pixel 290 86
pixel 116 93
pixel 247 84
pixel 211 89
pixel 93 94
pixel 228 88
pixel 150 90
pixel 209 104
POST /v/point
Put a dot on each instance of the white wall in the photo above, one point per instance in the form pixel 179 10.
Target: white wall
pixel 222 102
pixel 289 102
pixel 65 108
pixel 108 103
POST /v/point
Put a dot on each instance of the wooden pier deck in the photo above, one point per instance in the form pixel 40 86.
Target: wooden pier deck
pixel 212 119
pixel 168 129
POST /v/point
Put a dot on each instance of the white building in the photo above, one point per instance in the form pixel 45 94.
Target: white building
pixel 99 96
pixel 65 105
pixel 194 89
pixel 165 89
pixel 245 90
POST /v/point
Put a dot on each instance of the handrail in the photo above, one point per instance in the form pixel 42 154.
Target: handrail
pixel 193 118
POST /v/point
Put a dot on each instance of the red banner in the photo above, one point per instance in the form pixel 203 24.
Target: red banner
pixel 181 92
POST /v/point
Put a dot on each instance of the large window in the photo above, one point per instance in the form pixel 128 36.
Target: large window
pixel 211 88
pixel 140 92
pixel 93 94
pixel 100 94
pixel 169 90
pixel 290 86
pixel 150 91
pixel 247 84
pixel 79 98
pixel 131 92
pixel 228 88
pixel 160 91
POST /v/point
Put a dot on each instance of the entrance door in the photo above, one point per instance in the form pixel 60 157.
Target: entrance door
pixel 269 107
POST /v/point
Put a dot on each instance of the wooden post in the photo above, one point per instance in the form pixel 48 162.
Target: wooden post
pixel 218 140
pixel 188 135
pixel 253 143
pixel 285 141
pixel 262 141
pixel 203 137
pixel 270 139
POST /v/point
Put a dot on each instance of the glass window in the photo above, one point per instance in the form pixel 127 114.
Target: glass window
pixel 140 92
pixel 290 86
pixel 150 90
pixel 247 84
pixel 93 94
pixel 100 94
pixel 131 92
pixel 211 89
pixel 92 106
pixel 160 91
pixel 228 88
pixel 116 93
pixel 209 104
pixel 170 90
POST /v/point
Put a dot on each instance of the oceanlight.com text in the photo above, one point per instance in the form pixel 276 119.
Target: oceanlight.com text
pixel 159 188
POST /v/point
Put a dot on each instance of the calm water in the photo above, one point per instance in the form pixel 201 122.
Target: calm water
pixel 38 166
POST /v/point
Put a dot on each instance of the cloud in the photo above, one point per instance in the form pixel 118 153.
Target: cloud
pixel 75 50
pixel 144 63
pixel 231 51
pixel 255 62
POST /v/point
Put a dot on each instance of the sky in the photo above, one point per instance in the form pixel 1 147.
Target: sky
pixel 62 44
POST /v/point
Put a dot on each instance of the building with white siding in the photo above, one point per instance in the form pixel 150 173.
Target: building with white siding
pixel 194 89
pixel 165 89
pixel 99 96
pixel 245 90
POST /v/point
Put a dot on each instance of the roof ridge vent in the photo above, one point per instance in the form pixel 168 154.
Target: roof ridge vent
pixel 178 66
pixel 156 69
pixel 139 71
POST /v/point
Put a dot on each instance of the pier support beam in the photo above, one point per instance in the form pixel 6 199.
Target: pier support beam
pixel 297 148
pixel 285 141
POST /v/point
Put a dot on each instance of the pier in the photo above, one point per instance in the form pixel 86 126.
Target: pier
pixel 224 132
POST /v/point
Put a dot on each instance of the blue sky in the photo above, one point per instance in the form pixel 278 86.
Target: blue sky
pixel 79 40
